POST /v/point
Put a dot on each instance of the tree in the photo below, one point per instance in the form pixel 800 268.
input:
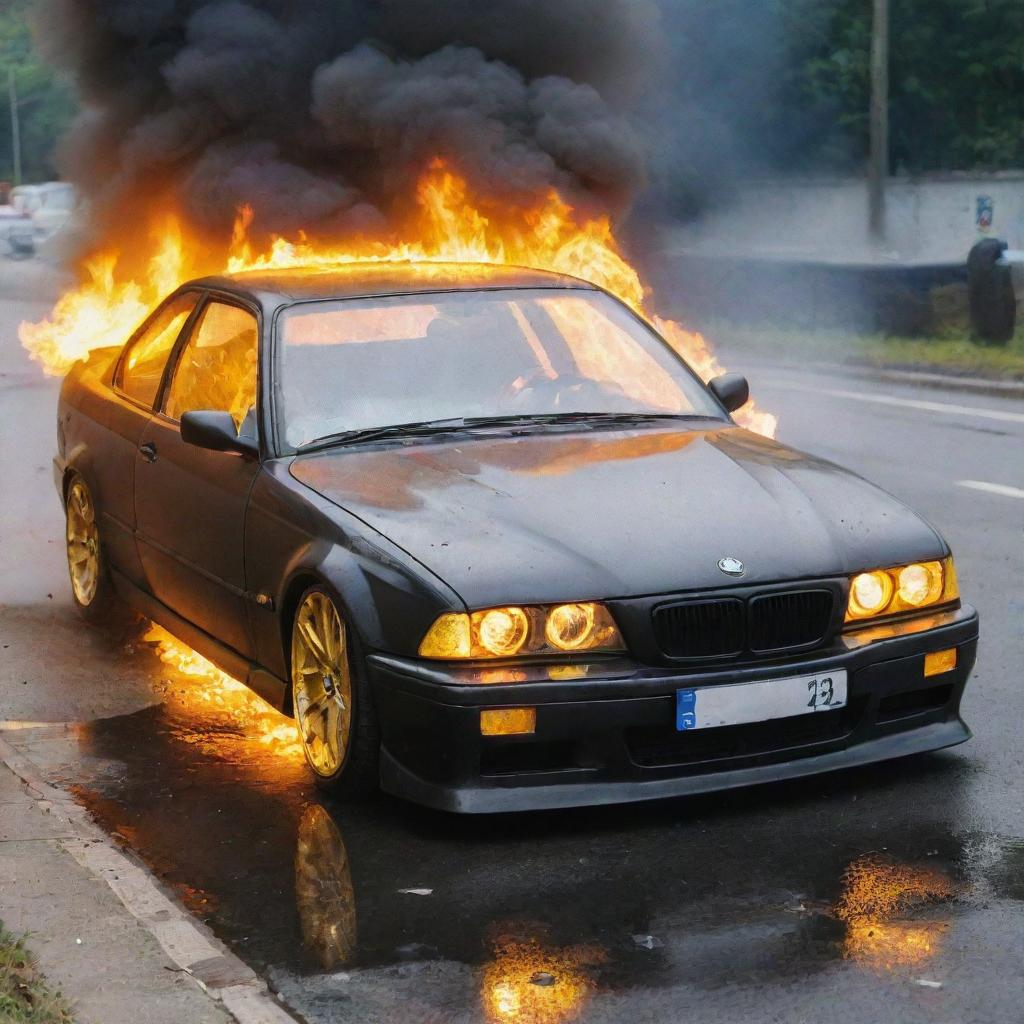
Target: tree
pixel 956 81
pixel 766 87
pixel 46 103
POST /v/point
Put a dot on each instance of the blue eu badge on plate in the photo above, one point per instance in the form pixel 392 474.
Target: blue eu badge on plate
pixel 686 709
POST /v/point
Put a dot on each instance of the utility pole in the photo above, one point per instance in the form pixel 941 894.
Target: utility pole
pixel 12 88
pixel 878 163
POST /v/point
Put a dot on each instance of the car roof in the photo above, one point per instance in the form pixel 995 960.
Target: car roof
pixel 273 288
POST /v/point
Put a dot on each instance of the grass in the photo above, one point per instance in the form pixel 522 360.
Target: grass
pixel 951 353
pixel 24 995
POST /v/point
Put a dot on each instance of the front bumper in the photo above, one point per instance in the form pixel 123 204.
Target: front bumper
pixel 609 735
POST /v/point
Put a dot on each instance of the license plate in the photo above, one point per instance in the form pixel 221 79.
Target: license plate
pixel 742 703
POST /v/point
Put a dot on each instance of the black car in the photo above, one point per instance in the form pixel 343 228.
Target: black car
pixel 495 545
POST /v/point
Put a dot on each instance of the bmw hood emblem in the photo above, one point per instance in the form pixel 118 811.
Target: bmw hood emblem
pixel 731 566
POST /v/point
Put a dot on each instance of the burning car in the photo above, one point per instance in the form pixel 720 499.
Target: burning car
pixel 495 546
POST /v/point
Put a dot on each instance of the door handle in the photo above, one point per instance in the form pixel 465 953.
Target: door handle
pixel 148 451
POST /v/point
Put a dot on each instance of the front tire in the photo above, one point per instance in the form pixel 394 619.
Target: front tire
pixel 331 701
pixel 92 589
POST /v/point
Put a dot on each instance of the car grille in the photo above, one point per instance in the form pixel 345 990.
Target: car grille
pixel 728 627
pixel 780 621
pixel 707 629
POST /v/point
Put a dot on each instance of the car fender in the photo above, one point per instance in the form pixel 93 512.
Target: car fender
pixel 296 538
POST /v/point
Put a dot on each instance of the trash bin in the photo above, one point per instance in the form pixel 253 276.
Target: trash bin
pixel 990 293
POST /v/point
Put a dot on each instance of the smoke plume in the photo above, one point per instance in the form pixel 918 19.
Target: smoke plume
pixel 322 114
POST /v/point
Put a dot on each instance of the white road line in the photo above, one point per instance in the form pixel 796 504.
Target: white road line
pixel 982 485
pixel 915 403
pixel 17 725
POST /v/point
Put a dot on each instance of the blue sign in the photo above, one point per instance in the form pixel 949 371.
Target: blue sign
pixel 686 709
pixel 986 213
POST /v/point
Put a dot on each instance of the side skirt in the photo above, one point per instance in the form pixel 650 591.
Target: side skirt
pixel 263 683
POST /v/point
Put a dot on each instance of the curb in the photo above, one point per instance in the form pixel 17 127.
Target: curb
pixel 1010 389
pixel 190 946
pixel 952 382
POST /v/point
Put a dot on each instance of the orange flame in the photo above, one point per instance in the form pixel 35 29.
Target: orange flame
pixel 447 226
pixel 208 688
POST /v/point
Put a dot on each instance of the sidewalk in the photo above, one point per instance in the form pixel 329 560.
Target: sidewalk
pixel 118 948
pixel 88 945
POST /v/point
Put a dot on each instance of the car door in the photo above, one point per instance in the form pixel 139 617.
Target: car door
pixel 190 503
pixel 120 423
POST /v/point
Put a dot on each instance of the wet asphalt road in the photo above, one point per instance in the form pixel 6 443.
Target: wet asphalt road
pixel 884 894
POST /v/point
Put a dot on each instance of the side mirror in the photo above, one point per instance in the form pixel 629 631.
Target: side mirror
pixel 216 432
pixel 732 390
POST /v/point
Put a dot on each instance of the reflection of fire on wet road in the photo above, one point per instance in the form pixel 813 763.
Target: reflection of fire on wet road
pixel 876 896
pixel 199 686
pixel 530 982
pixel 324 893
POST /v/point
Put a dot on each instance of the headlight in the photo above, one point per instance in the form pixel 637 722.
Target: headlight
pixel 570 626
pixel 510 631
pixel 903 589
pixel 502 631
pixel 870 594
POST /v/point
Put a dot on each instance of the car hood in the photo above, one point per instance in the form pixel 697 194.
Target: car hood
pixel 623 513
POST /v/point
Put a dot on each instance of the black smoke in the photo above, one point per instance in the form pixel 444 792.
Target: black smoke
pixel 321 114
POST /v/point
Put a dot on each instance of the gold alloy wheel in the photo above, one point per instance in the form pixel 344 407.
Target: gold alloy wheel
pixel 83 538
pixel 321 683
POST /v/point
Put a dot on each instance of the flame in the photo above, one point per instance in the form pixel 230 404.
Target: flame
pixel 104 311
pixel 208 688
pixel 447 225
pixel 876 892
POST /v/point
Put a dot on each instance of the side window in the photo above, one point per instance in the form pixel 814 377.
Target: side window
pixel 143 365
pixel 217 368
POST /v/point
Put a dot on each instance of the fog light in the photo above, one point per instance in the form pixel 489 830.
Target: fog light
pixel 938 662
pixel 508 721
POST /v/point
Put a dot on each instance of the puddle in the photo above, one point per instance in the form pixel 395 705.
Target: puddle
pixel 317 887
pixel 537 917
pixel 879 905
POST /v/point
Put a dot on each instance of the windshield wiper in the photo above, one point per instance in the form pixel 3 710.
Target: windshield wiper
pixel 542 418
pixel 422 429
pixel 426 428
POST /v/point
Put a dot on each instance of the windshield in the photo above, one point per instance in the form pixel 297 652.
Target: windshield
pixel 361 363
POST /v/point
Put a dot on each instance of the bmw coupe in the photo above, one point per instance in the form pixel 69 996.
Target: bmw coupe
pixel 495 546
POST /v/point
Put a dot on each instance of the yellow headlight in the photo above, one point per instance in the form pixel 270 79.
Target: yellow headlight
pixel 570 626
pixel 502 631
pixel 448 638
pixel 920 584
pixel 902 589
pixel 870 593
pixel 512 631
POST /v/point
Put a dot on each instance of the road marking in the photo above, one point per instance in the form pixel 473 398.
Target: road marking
pixel 16 725
pixel 917 403
pixel 982 485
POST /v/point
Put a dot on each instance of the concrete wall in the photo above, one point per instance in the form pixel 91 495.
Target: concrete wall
pixel 931 220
